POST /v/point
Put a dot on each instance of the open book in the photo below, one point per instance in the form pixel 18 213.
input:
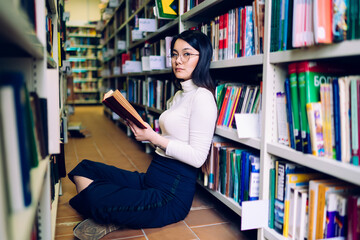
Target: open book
pixel 117 103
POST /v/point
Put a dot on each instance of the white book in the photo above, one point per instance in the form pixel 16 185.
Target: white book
pixel 301 222
pixel 9 130
pixel 294 205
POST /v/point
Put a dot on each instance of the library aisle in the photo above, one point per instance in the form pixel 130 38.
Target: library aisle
pixel 207 220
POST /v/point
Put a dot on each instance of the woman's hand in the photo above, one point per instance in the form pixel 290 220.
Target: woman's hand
pixel 141 134
pixel 148 134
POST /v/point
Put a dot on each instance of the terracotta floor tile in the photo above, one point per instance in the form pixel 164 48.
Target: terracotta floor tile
pixel 218 232
pixel 65 210
pixel 203 217
pixel 176 231
pixel 124 233
pixel 199 202
pixel 66 237
pixel 65 226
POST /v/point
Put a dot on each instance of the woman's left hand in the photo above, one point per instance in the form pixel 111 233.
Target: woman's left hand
pixel 140 134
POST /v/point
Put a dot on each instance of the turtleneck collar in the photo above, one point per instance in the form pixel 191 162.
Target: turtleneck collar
pixel 188 85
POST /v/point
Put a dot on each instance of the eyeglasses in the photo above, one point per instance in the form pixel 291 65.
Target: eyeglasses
pixel 185 57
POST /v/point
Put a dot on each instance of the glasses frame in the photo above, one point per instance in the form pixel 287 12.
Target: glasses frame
pixel 182 58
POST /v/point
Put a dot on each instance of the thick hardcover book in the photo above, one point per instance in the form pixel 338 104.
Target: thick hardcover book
pixel 117 103
pixel 14 129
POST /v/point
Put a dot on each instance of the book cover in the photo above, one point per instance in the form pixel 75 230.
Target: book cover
pixel 254 178
pixel 16 146
pixel 354 118
pixel 282 126
pixel 341 218
pixel 324 191
pixel 301 224
pixel 282 168
pixel 294 203
pixel 117 103
pixel 313 202
pixel 224 105
pixel 292 71
pixel 271 197
pixel 316 128
pixel 353 213
pixel 292 180
pixel 167 9
pixel 340 20
pixel 331 212
pixel 323 21
pixel 337 128
pixel 289 114
pixel 344 96
pixel 325 97
pixel 38 122
pixel 245 175
pixel 231 120
pixel 249 32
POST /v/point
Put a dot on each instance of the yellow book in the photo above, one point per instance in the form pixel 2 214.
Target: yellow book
pixel 292 180
pixel 324 190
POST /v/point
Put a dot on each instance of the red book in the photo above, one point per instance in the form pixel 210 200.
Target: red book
pixel 353 215
pixel 226 35
pixel 224 106
pixel 221 37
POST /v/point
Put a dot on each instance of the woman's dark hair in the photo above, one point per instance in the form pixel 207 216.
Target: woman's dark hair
pixel 199 41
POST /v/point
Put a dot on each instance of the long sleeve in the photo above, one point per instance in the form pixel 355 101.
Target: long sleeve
pixel 189 124
pixel 201 130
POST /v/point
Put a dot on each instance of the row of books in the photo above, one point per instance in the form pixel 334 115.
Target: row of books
pixel 232 171
pixel 190 4
pixel 23 124
pixel 318 111
pixel 150 92
pixel 296 23
pixel 81 30
pixel 234 98
pixel 237 33
pixel 309 205
pixel 83 41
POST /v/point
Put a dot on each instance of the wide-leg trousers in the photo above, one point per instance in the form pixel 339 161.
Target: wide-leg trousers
pixel 161 196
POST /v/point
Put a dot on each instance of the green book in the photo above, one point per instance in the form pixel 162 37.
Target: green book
pixel 310 76
pixel 33 143
pixel 271 197
pixel 292 69
pixel 167 9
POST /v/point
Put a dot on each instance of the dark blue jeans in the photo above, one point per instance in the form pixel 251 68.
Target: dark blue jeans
pixel 161 196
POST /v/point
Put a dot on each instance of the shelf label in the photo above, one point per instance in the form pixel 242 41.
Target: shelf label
pixel 254 214
pixel 147 25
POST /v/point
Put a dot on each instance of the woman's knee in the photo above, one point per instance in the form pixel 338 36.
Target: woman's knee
pixel 82 182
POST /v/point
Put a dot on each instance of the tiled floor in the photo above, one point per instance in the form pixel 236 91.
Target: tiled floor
pixel 207 220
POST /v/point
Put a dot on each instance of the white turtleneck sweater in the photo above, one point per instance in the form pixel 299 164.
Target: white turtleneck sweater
pixel 189 124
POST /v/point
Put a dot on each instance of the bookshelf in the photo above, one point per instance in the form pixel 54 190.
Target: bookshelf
pixel 34 54
pixel 83 53
pixel 271 66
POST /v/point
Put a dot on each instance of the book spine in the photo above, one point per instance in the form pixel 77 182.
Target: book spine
pixel 337 128
pixel 316 128
pixel 254 181
pixel 303 115
pixel 289 114
pixel 283 136
pixel 295 105
pixel 271 197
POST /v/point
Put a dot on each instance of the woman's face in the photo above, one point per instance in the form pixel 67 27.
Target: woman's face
pixel 184 59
